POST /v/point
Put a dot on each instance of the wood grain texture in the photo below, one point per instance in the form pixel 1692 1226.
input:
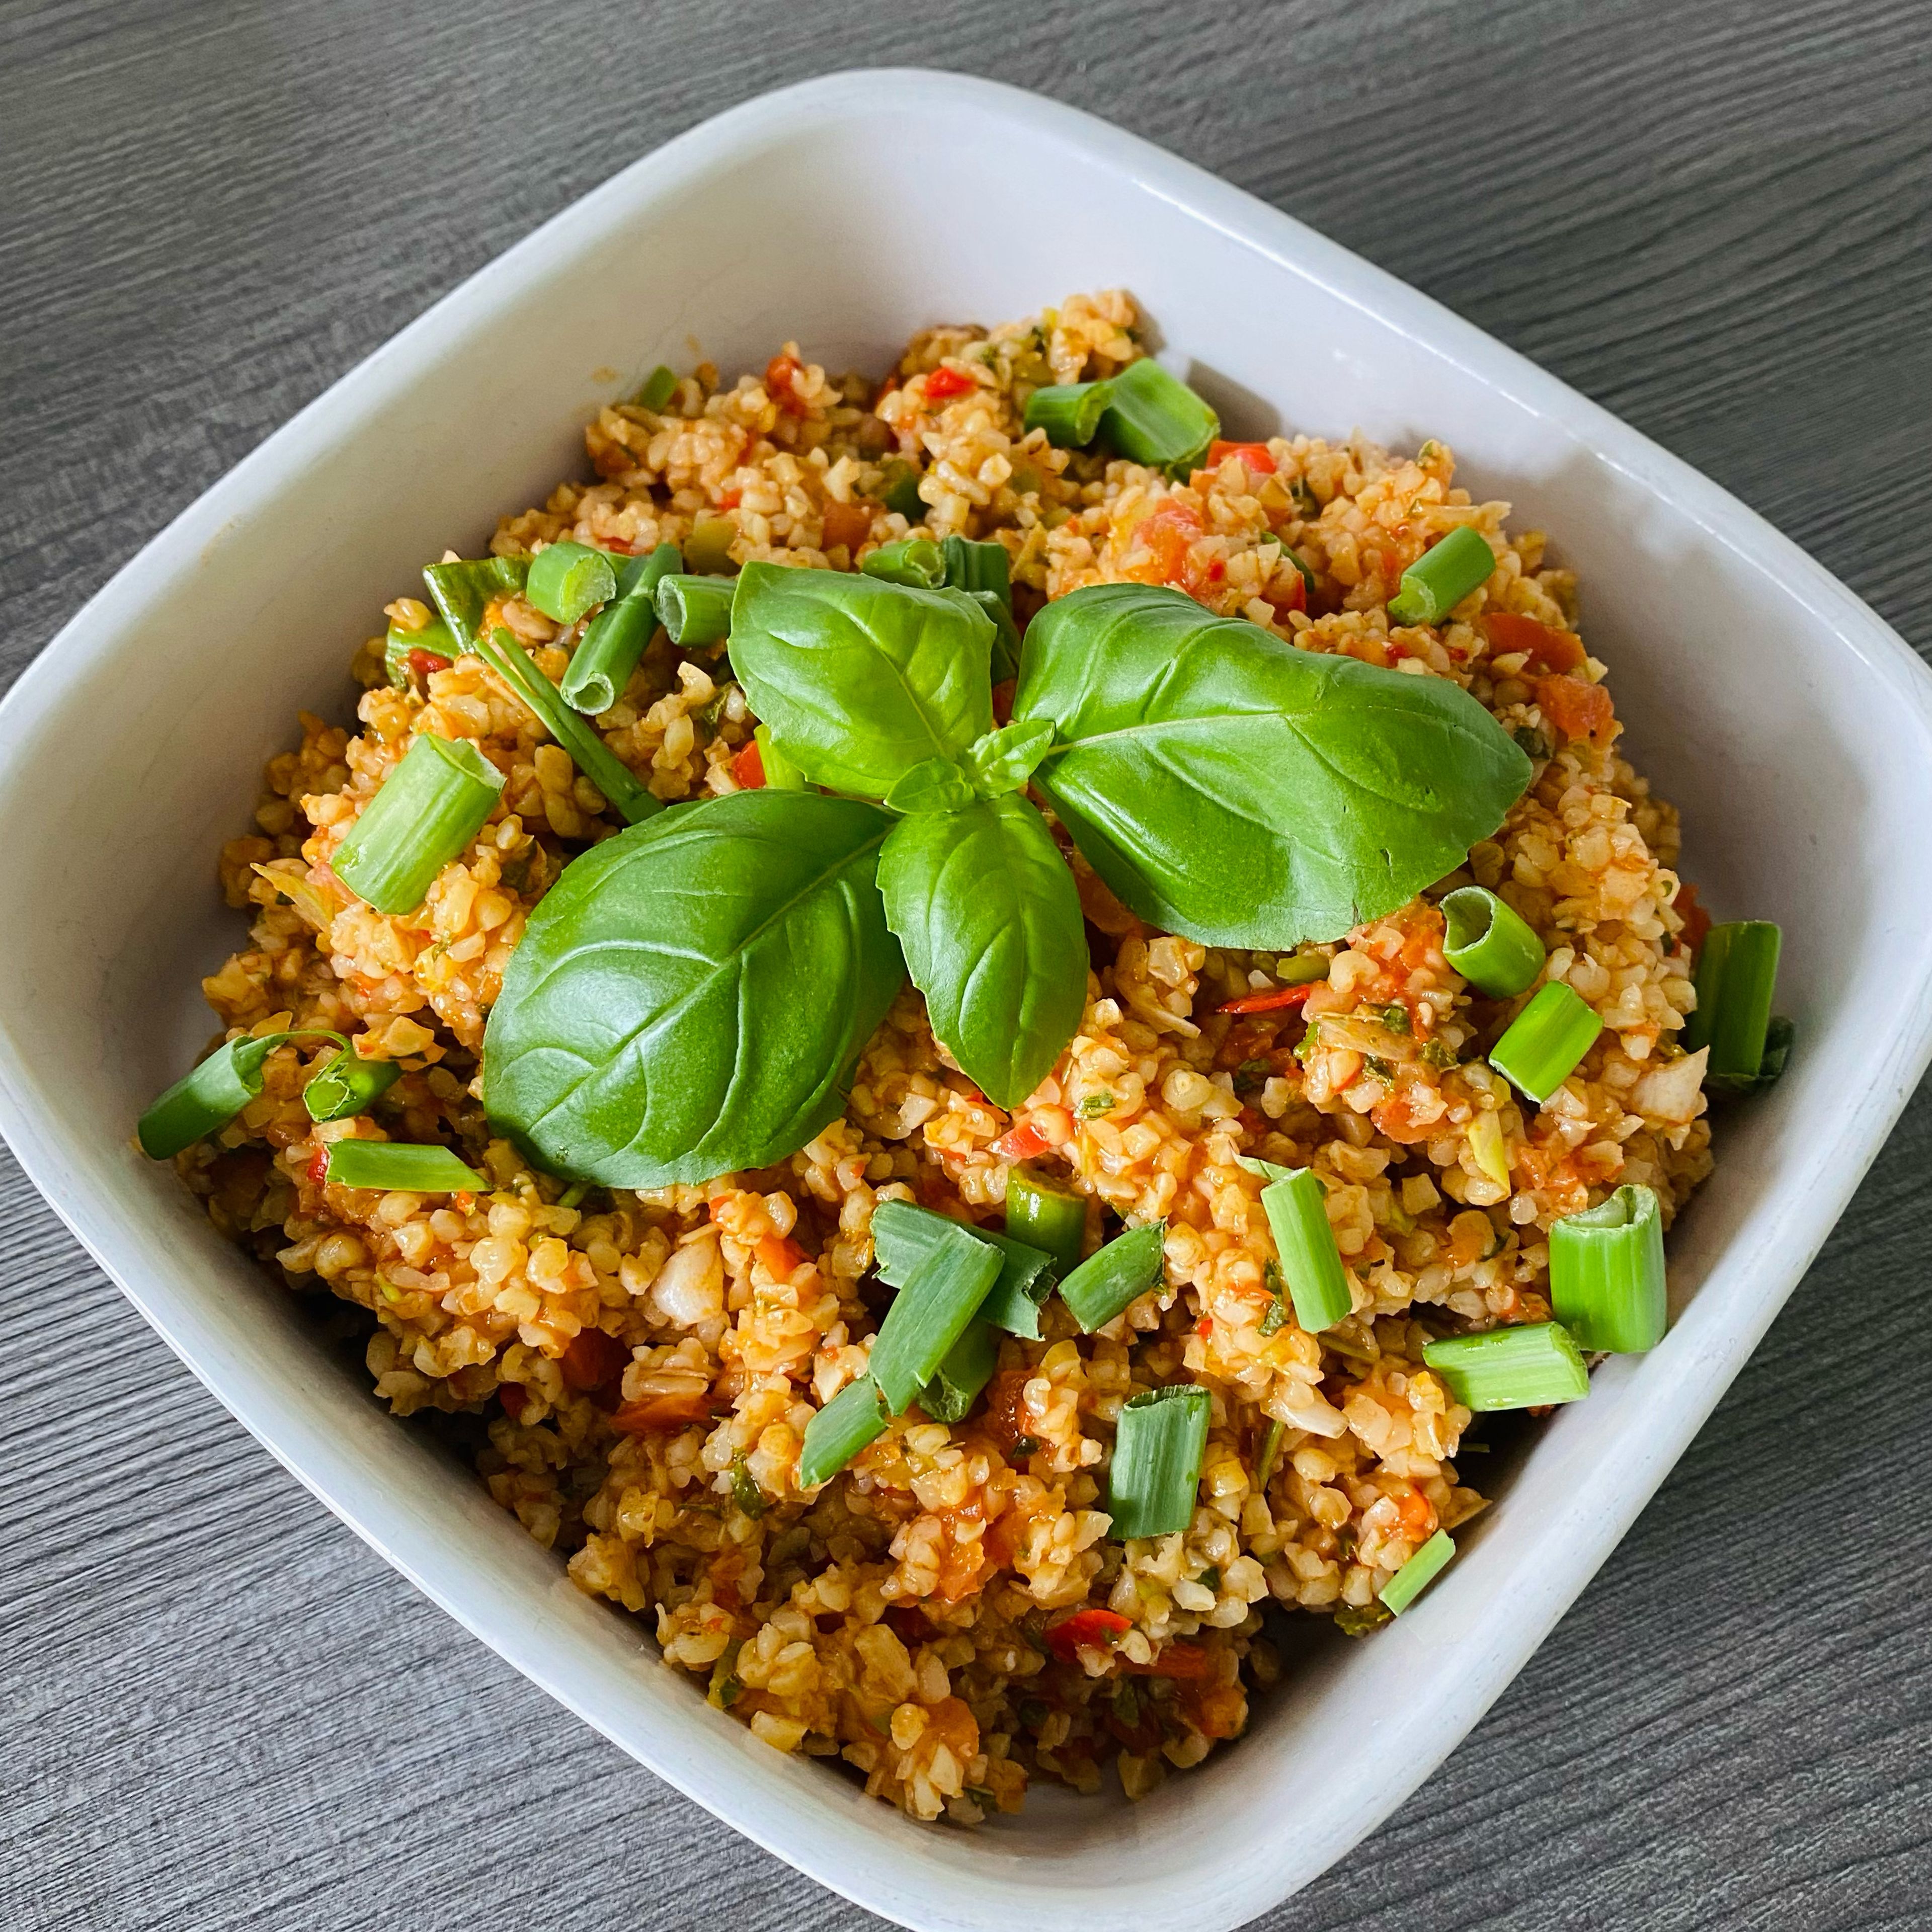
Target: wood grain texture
pixel 220 1710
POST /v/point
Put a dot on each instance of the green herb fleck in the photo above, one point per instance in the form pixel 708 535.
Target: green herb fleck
pixel 1210 1579
pixel 1097 1104
pixel 1033 1713
pixel 745 1490
pixel 1127 1703
pixel 1352 1622
pixel 981 1797
pixel 1395 1017
pixel 1025 1446
pixel 1438 1053
pixel 1251 1074
pixel 726 1688
pixel 1536 744
pixel 1381 1069
pixel 1276 1315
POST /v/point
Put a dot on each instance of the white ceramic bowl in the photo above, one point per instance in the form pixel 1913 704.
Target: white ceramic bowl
pixel 1792 725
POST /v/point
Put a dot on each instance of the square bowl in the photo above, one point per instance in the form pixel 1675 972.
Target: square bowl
pixel 1793 728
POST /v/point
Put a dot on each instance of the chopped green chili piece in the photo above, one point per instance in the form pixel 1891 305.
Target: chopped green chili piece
pixel 464 591
pixel 434 637
pixel 967 1370
pixel 603 663
pixel 726 1686
pixel 1606 1279
pixel 1295 1203
pixel 1417 1573
pixel 1737 972
pixel 1522 1367
pixel 592 757
pixel 204 1102
pixel 1106 1282
pixel 942 1294
pixel 898 489
pixel 348 1085
pixel 745 1490
pixel 410 1166
pixel 424 815
pixel 1442 576
pixel 695 610
pixel 904 1236
pixel 781 774
pixel 853 1417
pixel 974 567
pixel 1546 1043
pixel 708 548
pixel 1155 418
pixel 1069 412
pixel 916 562
pixel 1047 1216
pixel 1156 1468
pixel 1490 942
pixel 657 389
pixel 566 579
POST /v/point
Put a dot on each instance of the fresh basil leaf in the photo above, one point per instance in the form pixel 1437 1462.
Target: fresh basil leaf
pixel 990 919
pixel 688 998
pixel 1233 788
pixel 937 785
pixel 1005 660
pixel 1004 759
pixel 859 680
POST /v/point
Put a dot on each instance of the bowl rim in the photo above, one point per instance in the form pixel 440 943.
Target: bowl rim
pixel 1778 1241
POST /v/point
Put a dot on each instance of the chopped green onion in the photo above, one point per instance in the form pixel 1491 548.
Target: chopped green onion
pixel 592 757
pixel 566 579
pixel 1046 1216
pixel 408 1166
pixel 853 1417
pixel 1522 1367
pixel 967 1370
pixel 1153 418
pixel 1265 1463
pixel 1778 1037
pixel 1607 1273
pixel 657 388
pixel 974 567
pixel 434 637
pixel 916 562
pixel 424 815
pixel 204 1102
pixel 348 1085
pixel 1106 1282
pixel 904 1237
pixel 708 548
pixel 1301 564
pixel 695 611
pixel 1295 1201
pixel 1490 943
pixel 942 1294
pixel 781 774
pixel 1156 1468
pixel 1737 972
pixel 1442 576
pixel 602 663
pixel 1069 412
pixel 899 490
pixel 1546 1043
pixel 464 591
pixel 1417 1573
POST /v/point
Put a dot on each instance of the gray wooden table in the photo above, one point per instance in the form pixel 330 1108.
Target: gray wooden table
pixel 220 1710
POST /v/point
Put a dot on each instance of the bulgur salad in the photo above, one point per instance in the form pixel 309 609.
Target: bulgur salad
pixel 965 1028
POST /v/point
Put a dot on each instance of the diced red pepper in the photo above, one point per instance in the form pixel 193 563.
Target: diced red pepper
pixel 943 383
pixel 1169 534
pixel 1275 1000
pixel 592 1359
pixel 659 1414
pixel 318 1166
pixel 1291 596
pixel 1577 708
pixel 1023 1143
pixel 782 1257
pixel 1086 1629
pixel 1180 1661
pixel 515 1399
pixel 422 663
pixel 783 375
pixel 1543 644
pixel 1204 1327
pixel 847 525
pixel 730 500
pixel 1254 455
pixel 748 768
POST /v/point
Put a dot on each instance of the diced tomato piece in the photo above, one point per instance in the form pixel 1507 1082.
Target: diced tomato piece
pixel 1169 535
pixel 592 1359
pixel 847 525
pixel 1086 1629
pixel 944 383
pixel 1006 1406
pixel 1022 1143
pixel 318 1166
pixel 1254 455
pixel 1697 920
pixel 1544 644
pixel 1577 708
pixel 1204 1327
pixel 1182 1660
pixel 515 1399
pixel 730 500
pixel 782 1256
pixel 1292 595
pixel 659 1414
pixel 783 377
pixel 422 663
pixel 748 768
pixel 1274 1001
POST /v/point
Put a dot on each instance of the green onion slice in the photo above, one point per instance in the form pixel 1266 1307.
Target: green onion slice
pixel 898 490
pixel 1046 1216
pixel 1522 1367
pixel 942 1295
pixel 853 1417
pixel 1157 1467
pixel 1546 1043
pixel 1490 943
pixel 1417 1573
pixel 916 562
pixel 1106 1282
pixel 424 815
pixel 1442 576
pixel 1607 1279
pixel 434 637
pixel 1737 972
pixel 203 1102
pixel 1069 412
pixel 977 567
pixel 903 1238
pixel 695 610
pixel 593 757
pixel 967 1370
pixel 1318 1283
pixel 1265 1463
pixel 781 774
pixel 1153 418
pixel 348 1085
pixel 567 579
pixel 657 388
pixel 708 548
pixel 464 591
pixel 1778 1037
pixel 602 663
pixel 410 1166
